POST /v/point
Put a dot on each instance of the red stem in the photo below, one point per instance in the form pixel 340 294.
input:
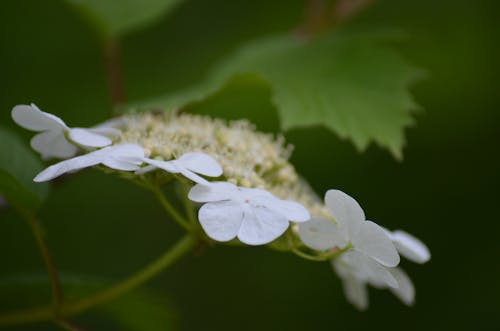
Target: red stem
pixel 114 74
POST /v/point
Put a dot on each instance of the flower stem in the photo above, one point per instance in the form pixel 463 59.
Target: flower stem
pixel 48 260
pixel 188 205
pixel 170 209
pixel 334 253
pixel 308 256
pixel 46 313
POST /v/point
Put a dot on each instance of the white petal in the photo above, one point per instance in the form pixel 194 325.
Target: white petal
pixel 127 157
pixel 145 169
pixel 118 164
pixel 221 220
pixel 131 152
pixel 257 195
pixel 290 209
pixel 367 269
pixel 261 226
pixel 372 241
pixel 410 247
pixel 192 176
pixel 87 138
pixel 201 163
pixel 32 118
pixel 406 291
pixel 345 210
pixel 321 234
pixel 169 166
pixel 342 267
pixel 355 292
pixel 53 144
pixel 63 167
pixel 109 132
pixel 216 191
pixel 114 124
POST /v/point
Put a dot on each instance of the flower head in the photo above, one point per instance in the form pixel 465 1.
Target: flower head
pixel 189 165
pixel 56 138
pixel 255 216
pixel 120 157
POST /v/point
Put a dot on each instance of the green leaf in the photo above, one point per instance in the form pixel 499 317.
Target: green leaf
pixel 347 81
pixel 114 18
pixel 137 310
pixel 18 167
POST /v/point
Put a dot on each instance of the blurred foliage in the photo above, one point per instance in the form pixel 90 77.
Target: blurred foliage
pixel 112 19
pixel 18 165
pixel 135 311
pixel 445 191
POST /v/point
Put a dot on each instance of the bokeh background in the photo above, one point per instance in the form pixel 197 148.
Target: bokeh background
pixel 445 191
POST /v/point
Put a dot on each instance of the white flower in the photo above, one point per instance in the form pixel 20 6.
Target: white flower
pixel 126 157
pixel 366 237
pixel 255 216
pixel 374 253
pixel 189 165
pixel 55 137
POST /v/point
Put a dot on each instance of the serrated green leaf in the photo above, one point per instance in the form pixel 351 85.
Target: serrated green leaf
pixel 114 18
pixel 18 167
pixel 346 81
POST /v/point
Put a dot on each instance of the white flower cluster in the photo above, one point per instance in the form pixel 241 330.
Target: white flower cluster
pixel 361 252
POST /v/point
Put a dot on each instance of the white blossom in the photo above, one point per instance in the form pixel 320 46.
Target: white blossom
pixel 127 157
pixel 189 165
pixel 352 228
pixel 56 139
pixel 253 215
pixel 372 258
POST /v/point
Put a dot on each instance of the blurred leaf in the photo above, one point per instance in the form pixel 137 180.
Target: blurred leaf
pixel 242 97
pixel 345 81
pixel 18 167
pixel 114 18
pixel 141 311
pixel 137 310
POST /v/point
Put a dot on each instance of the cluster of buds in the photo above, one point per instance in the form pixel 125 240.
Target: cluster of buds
pixel 255 196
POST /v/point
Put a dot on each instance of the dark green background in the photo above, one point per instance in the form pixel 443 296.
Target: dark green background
pixel 445 191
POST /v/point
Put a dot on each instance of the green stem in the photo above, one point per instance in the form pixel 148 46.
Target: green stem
pixel 308 256
pixel 168 258
pixel 45 313
pixel 48 260
pixel 188 205
pixel 324 257
pixel 170 209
